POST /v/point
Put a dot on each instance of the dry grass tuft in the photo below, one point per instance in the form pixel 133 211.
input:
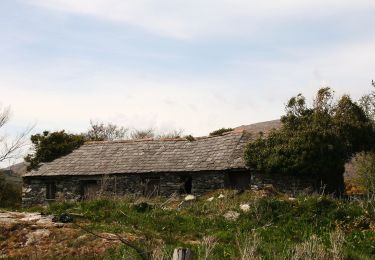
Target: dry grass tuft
pixel 313 248
pixel 209 243
pixel 310 249
pixel 248 246
pixel 337 244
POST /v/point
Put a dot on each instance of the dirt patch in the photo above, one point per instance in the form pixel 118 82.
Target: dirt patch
pixel 38 237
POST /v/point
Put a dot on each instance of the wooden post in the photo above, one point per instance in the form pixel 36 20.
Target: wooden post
pixel 182 254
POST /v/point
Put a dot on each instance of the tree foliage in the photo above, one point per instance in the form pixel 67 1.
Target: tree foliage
pixel 313 140
pixel 364 166
pixel 105 132
pixel 367 103
pixel 49 146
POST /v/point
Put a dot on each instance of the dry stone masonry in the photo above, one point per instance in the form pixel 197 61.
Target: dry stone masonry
pixel 150 168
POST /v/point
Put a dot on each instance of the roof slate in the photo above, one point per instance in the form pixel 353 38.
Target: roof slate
pixel 150 156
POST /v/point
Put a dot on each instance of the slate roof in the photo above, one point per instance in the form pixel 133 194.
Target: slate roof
pixel 149 156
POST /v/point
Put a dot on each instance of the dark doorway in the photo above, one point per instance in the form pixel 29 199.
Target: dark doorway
pixel 89 189
pixel 50 191
pixel 186 185
pixel 238 180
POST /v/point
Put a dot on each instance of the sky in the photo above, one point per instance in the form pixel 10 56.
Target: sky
pixel 171 64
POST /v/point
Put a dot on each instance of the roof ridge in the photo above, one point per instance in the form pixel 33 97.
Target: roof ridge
pixel 165 139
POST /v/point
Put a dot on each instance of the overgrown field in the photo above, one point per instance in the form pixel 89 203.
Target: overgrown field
pixel 266 226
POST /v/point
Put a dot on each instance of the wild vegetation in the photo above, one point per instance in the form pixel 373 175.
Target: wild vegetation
pixel 99 131
pixel 10 194
pixel 221 131
pixel 49 146
pixel 316 140
pixel 227 225
pixel 10 150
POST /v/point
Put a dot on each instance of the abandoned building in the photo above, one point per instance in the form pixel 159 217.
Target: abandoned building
pixel 142 167
pixel 152 167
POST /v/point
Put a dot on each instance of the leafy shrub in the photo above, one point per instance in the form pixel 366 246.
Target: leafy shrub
pixel 189 138
pixel 364 167
pixel 10 194
pixel 315 140
pixel 221 131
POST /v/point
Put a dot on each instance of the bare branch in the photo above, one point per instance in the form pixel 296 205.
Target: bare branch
pixel 110 132
pixel 142 134
pixel 9 148
pixel 171 134
pixel 4 115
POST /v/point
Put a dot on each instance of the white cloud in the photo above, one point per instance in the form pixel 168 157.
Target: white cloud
pixel 127 100
pixel 186 19
pixel 67 93
pixel 70 92
pixel 347 69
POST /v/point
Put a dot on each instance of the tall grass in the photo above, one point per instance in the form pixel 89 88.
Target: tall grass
pixel 273 228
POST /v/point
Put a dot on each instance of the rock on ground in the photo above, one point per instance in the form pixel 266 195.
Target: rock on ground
pixel 231 215
pixel 35 236
pixel 245 207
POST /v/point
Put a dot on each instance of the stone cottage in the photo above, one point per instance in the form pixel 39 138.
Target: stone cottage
pixel 142 167
pixel 150 168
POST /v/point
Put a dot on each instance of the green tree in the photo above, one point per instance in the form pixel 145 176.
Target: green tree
pixel 315 140
pixel 49 146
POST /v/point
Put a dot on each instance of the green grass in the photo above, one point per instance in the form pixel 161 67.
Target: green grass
pixel 279 224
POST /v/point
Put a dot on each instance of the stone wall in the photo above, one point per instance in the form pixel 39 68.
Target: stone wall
pixel 69 188
pixel 34 190
pixel 290 184
pixel 299 184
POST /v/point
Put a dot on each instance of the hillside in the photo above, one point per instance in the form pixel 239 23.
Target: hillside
pixel 263 127
pixel 13 174
pixel 220 225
